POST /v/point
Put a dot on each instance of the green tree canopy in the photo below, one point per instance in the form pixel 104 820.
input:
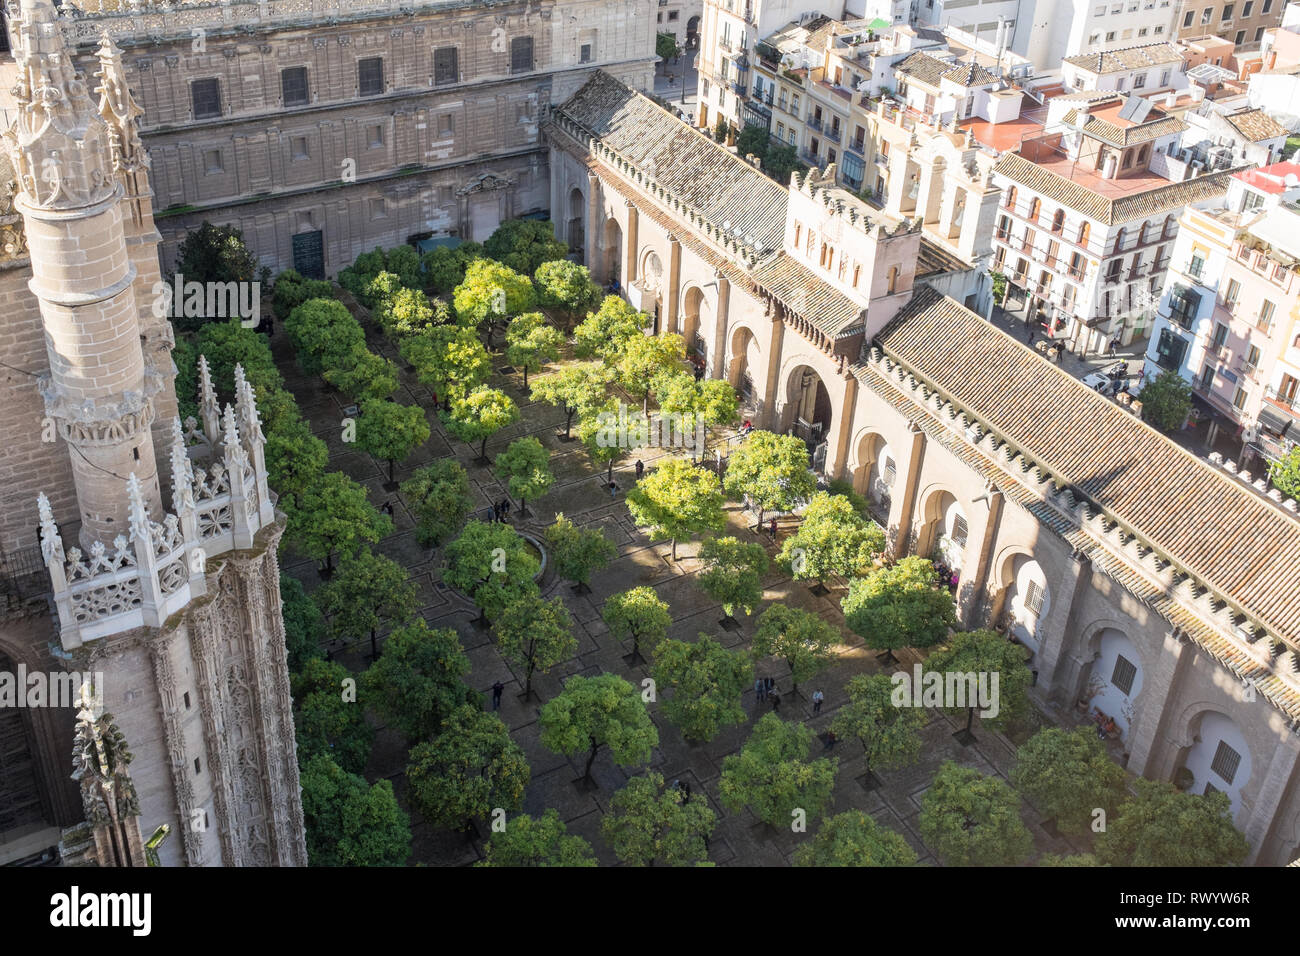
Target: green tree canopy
pixel 369 591
pixel 334 515
pixel 419 681
pixel 439 497
pixel 677 500
pixel 525 467
pixel 478 416
pixel 295 460
pixel 969 819
pixel 468 771
pixel 644 358
pixel 773 776
pixel 328 718
pixel 705 404
pixel 292 290
pixel 303 623
pixel 638 613
pixel 773 471
pixel 800 638
pixel 524 244
pixel 1166 400
pixel 987 652
pixel 573 389
pixel 647 824
pixel 536 841
pixel 706 681
pixel 1162 826
pixel 492 565
pixel 732 573
pixel 890 735
pixel 854 839
pixel 578 551
pixel 566 288
pixel 390 431
pixel 324 335
pixel 592 712
pixel 492 292
pixel 363 376
pixel 599 434
pixel 604 333
pixel 531 343
pixel 350 822
pixel 832 538
pixel 1285 473
pixel 900 605
pixel 450 359
pixel 1067 774
pixel 665 46
pixel 227 344
pixel 215 254
pixel 444 267
pixel 409 312
pixel 535 635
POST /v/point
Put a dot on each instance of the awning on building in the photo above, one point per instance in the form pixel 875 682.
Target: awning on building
pixel 1275 420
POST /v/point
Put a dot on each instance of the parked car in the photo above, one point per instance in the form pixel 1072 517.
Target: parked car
pixel 1109 379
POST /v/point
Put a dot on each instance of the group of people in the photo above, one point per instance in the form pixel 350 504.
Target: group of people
pixel 501 510
pixel 946 576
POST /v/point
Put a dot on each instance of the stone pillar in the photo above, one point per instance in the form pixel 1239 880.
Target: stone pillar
pixel 1150 724
pixel 672 294
pixel 768 416
pixel 977 560
pixel 718 357
pixel 1058 672
pixel 630 242
pixel 1272 789
pixel 896 195
pixel 932 190
pixel 903 495
pixel 838 449
pixel 593 231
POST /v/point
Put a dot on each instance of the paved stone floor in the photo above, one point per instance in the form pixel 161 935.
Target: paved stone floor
pixel 579 492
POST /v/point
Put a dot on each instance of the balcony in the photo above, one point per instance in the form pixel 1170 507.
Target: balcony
pixel 833 134
pixel 881 160
pixel 1290 401
pixel 809 157
pixel 815 122
pixel 1193 270
pixel 857 146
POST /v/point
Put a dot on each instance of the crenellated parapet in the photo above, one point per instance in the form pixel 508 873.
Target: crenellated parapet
pixel 220 502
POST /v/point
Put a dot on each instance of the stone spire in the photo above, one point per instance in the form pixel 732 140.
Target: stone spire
pixel 100 759
pixel 58 143
pixel 119 111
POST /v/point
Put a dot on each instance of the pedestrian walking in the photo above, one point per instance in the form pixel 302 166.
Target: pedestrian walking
pixel 1029 336
pixel 1114 345
pixel 830 740
pixel 776 703
pixel 817 699
pixel 504 508
pixel 640 469
pixel 497 690
pixel 387 508
pixel 759 689
pixel 771 530
pixel 768 685
pixel 613 487
pixel 686 792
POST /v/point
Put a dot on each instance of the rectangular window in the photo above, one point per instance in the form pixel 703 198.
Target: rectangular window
pixel 212 162
pixel 1252 357
pixel 370 76
pixel 1234 290
pixel 1240 37
pixel 1225 762
pixel 205 97
pixel 521 55
pixel 298 148
pixel 959 531
pixel 1245 8
pixel 1265 321
pixel 378 209
pixel 447 125
pixel 1207 15
pixel 446 66
pixel 1227 14
pixel 1207 377
pixel 1220 335
pixel 1259 34
pixel 1239 398
pixel 376 136
pixel 293 86
pixel 1034 598
pixel 1187 20
pixel 584 54
pixel 1268 4
pixel 1139 81
pixel 1123 675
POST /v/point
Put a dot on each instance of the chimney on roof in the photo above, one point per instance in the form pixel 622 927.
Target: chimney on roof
pixel 1171 98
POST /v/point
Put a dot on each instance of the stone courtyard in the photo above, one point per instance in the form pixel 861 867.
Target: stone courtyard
pixel 580 492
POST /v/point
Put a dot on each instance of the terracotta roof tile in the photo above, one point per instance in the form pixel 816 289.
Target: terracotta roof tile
pixel 1256 125
pixel 1127 58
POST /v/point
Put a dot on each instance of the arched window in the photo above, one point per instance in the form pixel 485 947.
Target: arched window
pixel 1142 234
pixel 1035 208
pixel 893 279
pixel 857 274
pixel 1119 241
pixel 812 244
pixel 1058 220
pixel 1085 230
pixel 1011 198
pixel 1168 228
pixel 798 233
